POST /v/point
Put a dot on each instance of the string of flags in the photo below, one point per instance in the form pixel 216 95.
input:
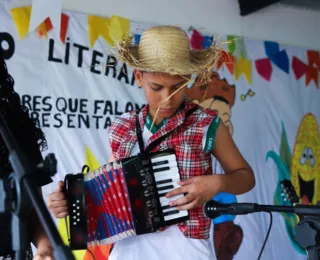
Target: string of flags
pixel 43 20
pixel 234 59
pixel 32 18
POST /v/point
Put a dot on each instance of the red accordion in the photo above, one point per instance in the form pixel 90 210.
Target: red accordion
pixel 122 199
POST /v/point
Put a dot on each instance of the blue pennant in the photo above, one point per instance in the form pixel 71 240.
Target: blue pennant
pixel 271 48
pixel 277 57
pixel 281 60
pixel 137 38
pixel 207 41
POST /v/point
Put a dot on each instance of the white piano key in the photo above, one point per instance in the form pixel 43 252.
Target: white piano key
pixel 169 164
pixel 171 157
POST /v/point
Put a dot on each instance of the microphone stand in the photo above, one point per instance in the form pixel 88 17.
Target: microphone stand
pixel 19 193
pixel 307 230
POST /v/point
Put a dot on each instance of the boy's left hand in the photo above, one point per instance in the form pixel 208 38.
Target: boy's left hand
pixel 198 191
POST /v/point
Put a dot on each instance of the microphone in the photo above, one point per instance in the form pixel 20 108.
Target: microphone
pixel 213 209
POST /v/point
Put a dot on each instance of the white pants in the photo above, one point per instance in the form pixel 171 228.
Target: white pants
pixel 170 244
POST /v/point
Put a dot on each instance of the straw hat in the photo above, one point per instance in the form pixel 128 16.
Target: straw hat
pixel 167 49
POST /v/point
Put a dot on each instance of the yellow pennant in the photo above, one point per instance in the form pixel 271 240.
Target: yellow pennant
pixel 243 66
pixel 119 28
pixel 21 17
pixel 111 29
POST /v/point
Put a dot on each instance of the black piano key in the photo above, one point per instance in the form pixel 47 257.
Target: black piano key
pixel 170 212
pixel 161 169
pixel 164 181
pixel 160 163
pixel 166 187
pixel 162 194
pixel 166 207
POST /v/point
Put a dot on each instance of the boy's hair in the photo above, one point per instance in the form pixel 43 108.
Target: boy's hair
pixel 28 136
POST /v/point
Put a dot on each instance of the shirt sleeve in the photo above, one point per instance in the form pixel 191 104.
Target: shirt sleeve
pixel 209 134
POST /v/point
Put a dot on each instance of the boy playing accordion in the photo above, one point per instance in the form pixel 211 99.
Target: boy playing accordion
pixel 163 65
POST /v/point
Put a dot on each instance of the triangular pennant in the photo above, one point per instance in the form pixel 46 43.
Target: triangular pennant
pixel 119 28
pixel 231 44
pixel 271 48
pixel 42 9
pixel 243 66
pixel 314 59
pixel 45 27
pixel 281 60
pixel 264 68
pixel 207 42
pixel 312 74
pixel 98 26
pixel 230 60
pixel 21 17
pixel 298 67
pixel 64 27
pixel 196 40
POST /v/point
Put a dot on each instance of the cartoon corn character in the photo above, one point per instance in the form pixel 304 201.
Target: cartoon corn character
pixel 305 166
pixel 301 169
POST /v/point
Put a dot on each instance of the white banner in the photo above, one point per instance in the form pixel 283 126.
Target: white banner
pixel 75 91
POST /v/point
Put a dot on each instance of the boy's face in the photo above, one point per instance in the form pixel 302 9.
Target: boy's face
pixel 157 88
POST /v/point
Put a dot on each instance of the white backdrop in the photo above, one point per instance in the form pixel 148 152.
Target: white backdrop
pixel 51 90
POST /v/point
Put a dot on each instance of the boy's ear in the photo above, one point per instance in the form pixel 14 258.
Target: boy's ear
pixel 138 76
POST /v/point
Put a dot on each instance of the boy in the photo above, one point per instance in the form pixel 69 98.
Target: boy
pixel 164 64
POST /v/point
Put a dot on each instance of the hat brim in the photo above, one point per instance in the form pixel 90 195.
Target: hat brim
pixel 200 60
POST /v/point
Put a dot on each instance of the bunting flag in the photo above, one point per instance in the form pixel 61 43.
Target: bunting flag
pixel 264 68
pixel 64 27
pixel 196 40
pixel 278 57
pixel 228 60
pixel 111 29
pixel 45 27
pixel 21 17
pixel 236 46
pixel 43 9
pixel 243 66
pixel 312 75
pixel 314 59
pixel 298 67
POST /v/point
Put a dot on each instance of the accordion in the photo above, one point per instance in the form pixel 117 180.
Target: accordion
pixel 122 199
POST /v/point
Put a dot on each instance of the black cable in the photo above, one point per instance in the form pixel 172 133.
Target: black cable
pixel 267 236
pixel 91 254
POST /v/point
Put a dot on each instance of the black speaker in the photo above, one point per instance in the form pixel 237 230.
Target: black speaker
pixel 250 6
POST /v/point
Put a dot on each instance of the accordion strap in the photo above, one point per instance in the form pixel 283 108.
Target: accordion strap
pixel 163 137
pixel 139 133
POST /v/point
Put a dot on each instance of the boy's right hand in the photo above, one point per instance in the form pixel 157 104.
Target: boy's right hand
pixel 57 202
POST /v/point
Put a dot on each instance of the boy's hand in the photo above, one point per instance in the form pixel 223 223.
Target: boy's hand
pixel 57 202
pixel 198 191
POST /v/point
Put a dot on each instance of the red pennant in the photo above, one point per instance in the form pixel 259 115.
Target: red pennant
pixel 312 74
pixel 298 67
pixel 228 60
pixel 64 27
pixel 48 27
pixel 264 68
pixel 314 59
pixel 196 40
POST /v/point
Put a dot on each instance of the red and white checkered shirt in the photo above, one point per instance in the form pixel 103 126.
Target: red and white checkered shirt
pixel 186 138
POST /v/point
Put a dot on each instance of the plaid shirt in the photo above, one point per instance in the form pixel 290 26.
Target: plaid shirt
pixel 185 138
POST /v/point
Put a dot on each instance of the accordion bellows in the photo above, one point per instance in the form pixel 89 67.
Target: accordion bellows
pixel 122 199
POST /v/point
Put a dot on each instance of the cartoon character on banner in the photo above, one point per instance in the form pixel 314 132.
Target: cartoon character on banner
pixel 298 172
pixel 219 95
